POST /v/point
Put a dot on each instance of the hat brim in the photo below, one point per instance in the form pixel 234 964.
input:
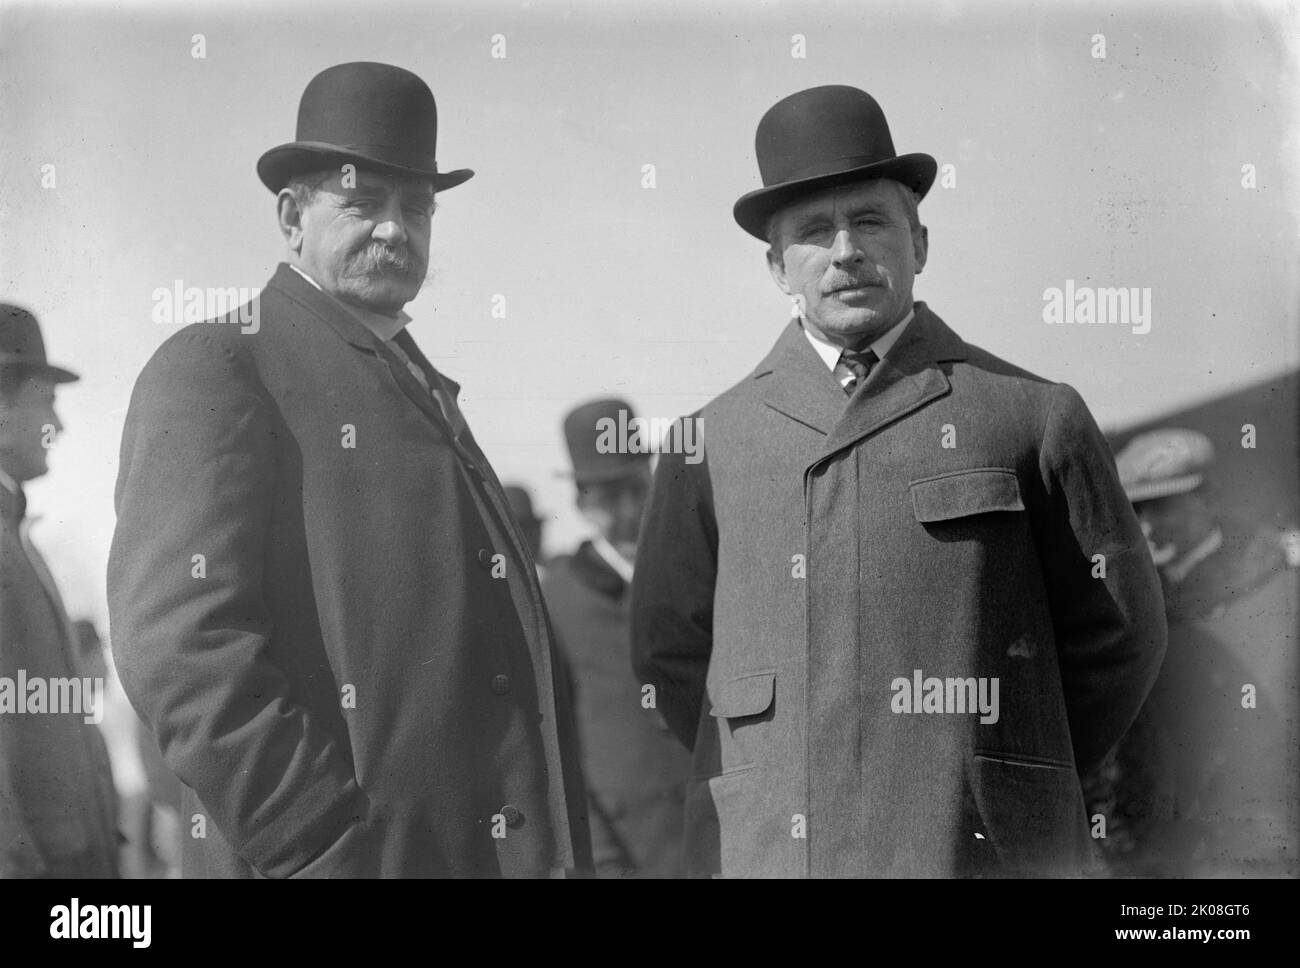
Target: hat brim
pixel 282 162
pixel 610 474
pixel 55 374
pixel 1152 490
pixel 917 171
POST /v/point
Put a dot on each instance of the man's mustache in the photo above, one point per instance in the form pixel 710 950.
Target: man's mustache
pixel 848 282
pixel 376 258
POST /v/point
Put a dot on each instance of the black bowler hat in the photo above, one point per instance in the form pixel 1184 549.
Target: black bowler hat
pixel 379 117
pixel 821 138
pixel 583 429
pixel 21 344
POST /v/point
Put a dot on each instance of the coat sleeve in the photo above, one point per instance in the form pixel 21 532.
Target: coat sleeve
pixel 672 591
pixel 191 634
pixel 1110 629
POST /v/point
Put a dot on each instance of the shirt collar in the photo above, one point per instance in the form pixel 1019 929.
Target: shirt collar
pixel 385 327
pixel 830 353
pixel 8 483
pixel 610 555
pixel 1177 572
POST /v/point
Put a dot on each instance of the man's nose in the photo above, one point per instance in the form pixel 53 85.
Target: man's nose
pixel 390 228
pixel 845 250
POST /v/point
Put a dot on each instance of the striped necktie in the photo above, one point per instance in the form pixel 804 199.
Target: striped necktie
pixel 859 362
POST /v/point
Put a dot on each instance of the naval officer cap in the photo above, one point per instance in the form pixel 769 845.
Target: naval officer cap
pixel 1164 462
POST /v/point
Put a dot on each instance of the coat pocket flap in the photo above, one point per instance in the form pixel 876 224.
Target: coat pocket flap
pixel 962 493
pixel 747 695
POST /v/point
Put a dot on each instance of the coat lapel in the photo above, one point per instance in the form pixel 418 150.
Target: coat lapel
pixel 351 330
pixel 793 381
pixel 907 379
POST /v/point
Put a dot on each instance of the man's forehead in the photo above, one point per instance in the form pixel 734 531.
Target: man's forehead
pixel 876 191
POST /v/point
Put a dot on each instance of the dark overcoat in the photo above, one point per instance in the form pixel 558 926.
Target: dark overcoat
pixel 636 770
pixel 321 605
pixel 824 599
pixel 58 807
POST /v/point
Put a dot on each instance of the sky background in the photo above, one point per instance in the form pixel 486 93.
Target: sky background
pixel 1122 171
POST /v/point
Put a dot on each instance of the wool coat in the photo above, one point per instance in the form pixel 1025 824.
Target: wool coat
pixel 636 770
pixel 58 807
pixel 324 610
pixel 828 600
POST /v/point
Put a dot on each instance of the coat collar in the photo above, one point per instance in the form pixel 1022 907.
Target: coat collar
pixel 795 382
pixel 594 572
pixel 905 380
pixel 353 331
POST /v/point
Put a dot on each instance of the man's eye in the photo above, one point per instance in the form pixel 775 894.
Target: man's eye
pixel 867 220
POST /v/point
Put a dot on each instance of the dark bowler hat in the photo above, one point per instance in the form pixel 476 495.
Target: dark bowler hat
pixel 379 117
pixel 583 431
pixel 21 344
pixel 821 138
pixel 521 504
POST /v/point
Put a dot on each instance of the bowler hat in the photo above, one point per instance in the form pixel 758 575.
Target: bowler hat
pixel 521 504
pixel 821 138
pixel 21 344
pixel 595 462
pixel 380 117
pixel 1164 462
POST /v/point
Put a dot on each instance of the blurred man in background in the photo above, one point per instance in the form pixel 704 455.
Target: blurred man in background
pixel 521 506
pixel 1205 782
pixel 635 769
pixel 58 809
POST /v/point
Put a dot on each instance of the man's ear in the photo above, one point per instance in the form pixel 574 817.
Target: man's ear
pixel 290 217
pixel 776 266
pixel 921 248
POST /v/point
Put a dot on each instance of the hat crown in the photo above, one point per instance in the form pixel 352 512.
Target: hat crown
pixel 20 336
pixel 21 343
pixel 821 130
pixel 364 105
pixel 584 428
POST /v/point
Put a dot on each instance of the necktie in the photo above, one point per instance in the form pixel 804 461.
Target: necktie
pixel 449 409
pixel 859 362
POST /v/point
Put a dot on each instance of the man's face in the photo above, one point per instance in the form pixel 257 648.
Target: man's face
pixel 367 244
pixel 27 423
pixel 1174 525
pixel 849 256
pixel 614 509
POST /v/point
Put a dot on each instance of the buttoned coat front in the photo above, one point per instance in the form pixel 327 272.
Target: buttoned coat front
pixel 321 605
pixel 824 599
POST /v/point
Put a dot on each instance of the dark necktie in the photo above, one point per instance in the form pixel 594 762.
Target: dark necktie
pixel 860 363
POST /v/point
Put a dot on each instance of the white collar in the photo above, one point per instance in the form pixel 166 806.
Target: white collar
pixel 611 556
pixel 1177 571
pixel 8 483
pixel 383 326
pixel 830 353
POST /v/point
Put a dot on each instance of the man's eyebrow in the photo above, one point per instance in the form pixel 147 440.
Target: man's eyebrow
pixel 810 218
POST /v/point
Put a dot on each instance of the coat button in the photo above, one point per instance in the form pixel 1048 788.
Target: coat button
pixel 485 557
pixel 500 685
pixel 514 818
